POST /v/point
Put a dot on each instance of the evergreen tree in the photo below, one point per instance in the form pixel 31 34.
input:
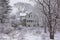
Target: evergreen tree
pixel 4 10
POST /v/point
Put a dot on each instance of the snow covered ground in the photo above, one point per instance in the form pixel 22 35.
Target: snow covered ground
pixel 28 33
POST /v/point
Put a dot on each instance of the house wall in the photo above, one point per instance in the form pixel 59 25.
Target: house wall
pixel 32 20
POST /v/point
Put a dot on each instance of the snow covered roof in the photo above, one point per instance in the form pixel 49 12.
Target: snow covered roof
pixel 23 14
pixel 26 13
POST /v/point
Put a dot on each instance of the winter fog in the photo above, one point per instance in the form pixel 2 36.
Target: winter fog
pixel 29 19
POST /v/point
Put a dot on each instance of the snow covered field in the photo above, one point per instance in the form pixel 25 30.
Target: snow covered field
pixel 28 33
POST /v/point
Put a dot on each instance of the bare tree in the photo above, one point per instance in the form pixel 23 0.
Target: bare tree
pixel 50 11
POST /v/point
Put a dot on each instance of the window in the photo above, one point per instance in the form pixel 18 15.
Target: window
pixel 28 25
pixel 34 25
pixel 29 16
pixel 37 24
pixel 29 20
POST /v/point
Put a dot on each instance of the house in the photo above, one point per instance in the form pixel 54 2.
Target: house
pixel 29 19
pixel 32 20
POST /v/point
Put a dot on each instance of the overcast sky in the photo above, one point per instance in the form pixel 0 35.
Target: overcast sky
pixel 15 1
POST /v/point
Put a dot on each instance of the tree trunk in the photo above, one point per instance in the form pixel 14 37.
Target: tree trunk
pixel 50 25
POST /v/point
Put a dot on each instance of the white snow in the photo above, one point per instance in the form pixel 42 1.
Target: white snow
pixel 22 14
pixel 28 33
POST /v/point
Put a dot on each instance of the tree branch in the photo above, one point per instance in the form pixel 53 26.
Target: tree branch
pixel 43 7
pixel 45 3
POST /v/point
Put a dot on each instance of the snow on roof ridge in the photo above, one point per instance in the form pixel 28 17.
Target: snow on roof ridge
pixel 26 13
